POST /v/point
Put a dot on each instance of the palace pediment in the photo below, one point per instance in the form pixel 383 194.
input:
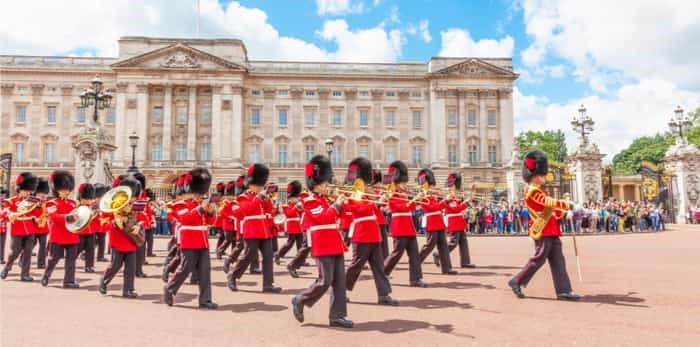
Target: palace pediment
pixel 178 56
pixel 475 68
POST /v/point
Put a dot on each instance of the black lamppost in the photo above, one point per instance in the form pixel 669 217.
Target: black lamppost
pixel 329 148
pixel 134 142
pixel 583 124
pixel 96 96
pixel 678 122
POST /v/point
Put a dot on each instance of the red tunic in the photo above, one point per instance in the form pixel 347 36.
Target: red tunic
pixel 228 223
pixel 270 213
pixel 194 226
pixel 454 214
pixel 58 209
pixel 175 210
pixel 401 216
pixel 364 227
pixel 292 225
pixel 345 218
pixel 118 239
pixel 254 221
pixel 433 214
pixel 536 200
pixel 321 219
pixel 24 225
pixel 3 220
pixel 381 219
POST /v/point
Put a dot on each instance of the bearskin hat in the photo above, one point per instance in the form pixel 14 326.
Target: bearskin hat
pixel 258 174
pixel 128 181
pixel 317 171
pixel 86 191
pixel 230 188
pixel 454 179
pixel 241 185
pixel 426 175
pixel 534 163
pixel 294 189
pixel 360 168
pixel 221 188
pixel 100 190
pixel 42 186
pixel 61 180
pixel 376 176
pixel 398 171
pixel 151 195
pixel 26 181
pixel 141 178
pixel 200 180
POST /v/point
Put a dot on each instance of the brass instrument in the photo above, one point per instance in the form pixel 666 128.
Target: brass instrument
pixel 117 202
pixel 25 206
pixel 44 215
pixel 82 216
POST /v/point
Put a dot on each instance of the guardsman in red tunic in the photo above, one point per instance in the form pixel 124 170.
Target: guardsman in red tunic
pixel 102 223
pixel 144 217
pixel 327 245
pixel 175 208
pixel 236 217
pixel 218 227
pixel 305 250
pixel 63 243
pixel 151 228
pixel 366 237
pixel 226 218
pixel 42 229
pixel 123 249
pixel 544 229
pixel 402 228
pixel 256 229
pixel 292 222
pixel 23 225
pixel 377 181
pixel 3 224
pixel 434 223
pixel 454 215
pixel 86 197
pixel 194 240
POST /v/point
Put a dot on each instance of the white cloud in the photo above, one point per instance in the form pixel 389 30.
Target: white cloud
pixel 459 43
pixel 367 45
pixel 421 30
pixel 338 7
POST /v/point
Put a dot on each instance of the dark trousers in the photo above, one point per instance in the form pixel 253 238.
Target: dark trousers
pixel 460 239
pixel 101 241
pixel 547 248
pixel 437 238
pixel 220 238
pixel 275 245
pixel 228 241
pixel 194 260
pixel 40 239
pixel 384 230
pixel 346 236
pixel 410 245
pixel 149 242
pixel 140 258
pixel 21 246
pixel 331 272
pixel 292 239
pixel 87 244
pixel 250 252
pixel 240 247
pixel 3 237
pixel 361 254
pixel 302 253
pixel 128 259
pixel 57 252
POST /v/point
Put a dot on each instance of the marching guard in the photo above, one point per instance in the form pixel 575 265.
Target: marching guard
pixel 23 212
pixel 227 219
pixel 236 217
pixel 62 243
pixel 145 218
pixel 86 197
pixel 402 228
pixel 544 229
pixel 292 223
pixel 102 225
pixel 194 241
pixel 366 237
pixel 456 226
pixel 3 224
pixel 434 224
pixel 42 229
pixel 381 219
pixel 327 245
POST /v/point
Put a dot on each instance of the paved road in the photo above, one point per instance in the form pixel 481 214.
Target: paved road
pixel 639 290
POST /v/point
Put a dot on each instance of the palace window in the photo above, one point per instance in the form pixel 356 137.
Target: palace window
pixel 363 151
pixel 389 119
pixel 157 152
pixel 310 93
pixel 390 153
pixel 21 115
pixel 282 154
pixel 451 118
pixel 492 154
pixel 282 117
pixel 157 116
pixel 309 152
pixel 337 120
pixel 48 153
pixel 206 116
pixel 180 152
pixel 471 118
pixel 182 115
pixel 205 152
pixel 364 93
pixel 416 94
pixel 256 92
pixel 255 117
pixel 417 119
pixel 309 118
pixel 19 152
pixel 80 116
pixel 473 154
pixel 417 155
pixel 364 118
pixel 337 93
pixel 282 92
pixel 452 154
pixel 492 118
pixel 337 154
pixel 254 153
pixel 111 115
pixel 51 115
pixel 391 93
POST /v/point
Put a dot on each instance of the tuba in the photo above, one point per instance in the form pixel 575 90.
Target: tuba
pixel 82 216
pixel 117 202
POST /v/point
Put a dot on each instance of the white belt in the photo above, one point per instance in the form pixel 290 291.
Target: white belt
pixel 194 228
pixel 434 213
pixel 424 220
pixel 321 227
pixel 257 216
pixel 359 220
pixel 23 218
pixel 401 214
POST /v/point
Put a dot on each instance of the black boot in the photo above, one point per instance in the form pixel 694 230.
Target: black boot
pixel 209 305
pixel 227 264
pixel 4 272
pixel 167 296
pixel 436 259
pixel 44 281
pixel 231 283
pixel 26 279
pixel 298 309
pixel 71 285
pixel 516 289
pixel 272 289
pixel 341 323
pixel 387 300
pixel 103 287
pixel 130 294
pixel 419 284
pixel 571 296
pixel 292 272
pixel 277 259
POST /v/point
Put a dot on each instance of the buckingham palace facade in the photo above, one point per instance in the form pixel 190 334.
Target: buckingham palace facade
pixel 202 102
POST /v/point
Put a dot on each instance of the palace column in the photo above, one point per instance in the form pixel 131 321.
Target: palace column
pixel 505 123
pixel 192 124
pixel 461 126
pixel 120 125
pixel 35 117
pixel 142 121
pixel 436 124
pixel 167 121
pixel 483 126
pixel 236 124
pixel 269 125
pixel 218 152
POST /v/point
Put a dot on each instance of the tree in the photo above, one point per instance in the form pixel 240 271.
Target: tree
pixel 651 148
pixel 551 142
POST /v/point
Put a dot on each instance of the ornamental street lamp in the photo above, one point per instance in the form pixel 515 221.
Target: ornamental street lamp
pixel 329 148
pixel 134 142
pixel 583 124
pixel 96 96
pixel 678 122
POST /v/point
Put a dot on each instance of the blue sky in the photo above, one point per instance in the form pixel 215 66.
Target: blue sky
pixel 630 62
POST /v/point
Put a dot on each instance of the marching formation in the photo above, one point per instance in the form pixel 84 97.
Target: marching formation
pixel 321 219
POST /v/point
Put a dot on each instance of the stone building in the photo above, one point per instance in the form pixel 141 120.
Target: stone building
pixel 202 102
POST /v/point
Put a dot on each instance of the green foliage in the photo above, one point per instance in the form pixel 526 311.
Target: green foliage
pixel 551 142
pixel 651 148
